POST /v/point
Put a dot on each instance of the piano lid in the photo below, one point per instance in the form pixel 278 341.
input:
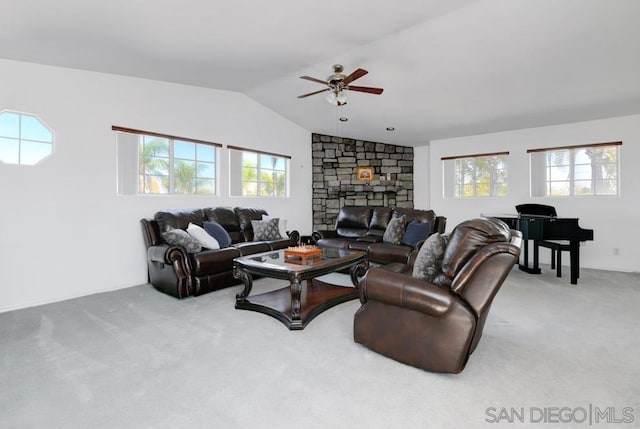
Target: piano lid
pixel 536 209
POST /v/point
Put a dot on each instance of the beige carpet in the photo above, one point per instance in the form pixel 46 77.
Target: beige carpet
pixel 136 358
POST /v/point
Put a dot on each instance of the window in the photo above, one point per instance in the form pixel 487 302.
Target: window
pixel 165 164
pixel 170 166
pixel 256 173
pixel 575 170
pixel 481 175
pixel 24 139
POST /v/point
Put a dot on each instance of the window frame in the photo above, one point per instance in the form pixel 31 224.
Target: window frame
pixel 171 159
pixel 454 186
pixel 21 140
pixel 239 183
pixel 541 176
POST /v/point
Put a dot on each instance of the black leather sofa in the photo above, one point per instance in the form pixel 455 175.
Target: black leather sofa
pixel 362 228
pixel 176 272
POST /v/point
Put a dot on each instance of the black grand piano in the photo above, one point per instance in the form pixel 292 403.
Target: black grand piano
pixel 541 224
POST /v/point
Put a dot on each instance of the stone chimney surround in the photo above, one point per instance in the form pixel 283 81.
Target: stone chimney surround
pixel 334 176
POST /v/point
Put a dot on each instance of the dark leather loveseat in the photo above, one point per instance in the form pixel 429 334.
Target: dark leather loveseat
pixel 362 228
pixel 176 272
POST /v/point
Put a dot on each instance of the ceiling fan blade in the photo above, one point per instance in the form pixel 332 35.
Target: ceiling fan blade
pixel 313 79
pixel 368 89
pixel 314 93
pixel 353 76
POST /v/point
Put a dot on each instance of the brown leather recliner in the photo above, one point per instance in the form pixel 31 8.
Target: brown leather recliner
pixel 438 327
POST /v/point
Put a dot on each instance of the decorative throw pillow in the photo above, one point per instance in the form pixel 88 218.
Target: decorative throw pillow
pixel 202 236
pixel 415 232
pixel 428 263
pixel 395 230
pixel 282 225
pixel 180 237
pixel 216 230
pixel 266 229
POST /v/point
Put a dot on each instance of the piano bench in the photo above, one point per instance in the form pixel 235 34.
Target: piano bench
pixel 556 254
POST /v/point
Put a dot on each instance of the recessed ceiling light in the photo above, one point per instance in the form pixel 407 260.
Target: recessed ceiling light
pixel 344 119
pixel 391 128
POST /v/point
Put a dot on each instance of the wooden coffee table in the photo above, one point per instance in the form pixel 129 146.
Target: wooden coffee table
pixel 297 304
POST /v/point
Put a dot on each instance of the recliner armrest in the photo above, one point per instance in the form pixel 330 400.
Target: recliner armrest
pixel 405 291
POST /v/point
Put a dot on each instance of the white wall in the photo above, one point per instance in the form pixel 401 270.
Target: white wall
pixel 613 219
pixel 65 233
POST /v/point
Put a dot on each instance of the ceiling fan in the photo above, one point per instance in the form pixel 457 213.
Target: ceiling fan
pixel 338 82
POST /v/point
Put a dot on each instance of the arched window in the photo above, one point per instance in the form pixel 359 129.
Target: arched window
pixel 24 138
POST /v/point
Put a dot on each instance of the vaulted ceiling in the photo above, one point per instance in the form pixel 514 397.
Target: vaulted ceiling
pixel 448 68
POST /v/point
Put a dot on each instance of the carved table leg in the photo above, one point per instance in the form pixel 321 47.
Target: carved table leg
pixel 247 279
pixel 296 289
pixel 358 271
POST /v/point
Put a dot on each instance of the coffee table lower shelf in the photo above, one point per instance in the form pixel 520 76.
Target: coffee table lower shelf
pixel 316 297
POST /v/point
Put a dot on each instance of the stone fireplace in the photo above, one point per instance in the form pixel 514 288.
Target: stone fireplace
pixel 334 176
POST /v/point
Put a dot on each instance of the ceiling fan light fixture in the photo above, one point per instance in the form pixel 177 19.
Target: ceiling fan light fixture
pixel 337 98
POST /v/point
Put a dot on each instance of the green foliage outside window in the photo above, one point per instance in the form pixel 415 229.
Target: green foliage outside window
pixel 263 175
pixel 482 176
pixel 191 172
pixel 582 171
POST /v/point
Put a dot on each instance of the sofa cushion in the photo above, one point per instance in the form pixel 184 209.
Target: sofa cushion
pixel 352 232
pixel 428 263
pixel 350 218
pixel 180 237
pixel 359 245
pixel 206 241
pixel 246 215
pixel 210 262
pixel 415 232
pixel 395 230
pixel 376 234
pixel 252 247
pixel 385 253
pixel 281 244
pixel 282 225
pixel 335 243
pixel 178 219
pixel 228 219
pixel 266 229
pixel 216 230
pixel 380 217
pixel 415 214
pixel 203 237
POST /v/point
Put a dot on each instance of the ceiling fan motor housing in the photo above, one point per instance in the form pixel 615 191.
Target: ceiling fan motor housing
pixel 335 79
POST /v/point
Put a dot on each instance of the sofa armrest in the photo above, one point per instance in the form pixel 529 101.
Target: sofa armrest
pixel 294 236
pixel 324 233
pixel 166 253
pixel 440 224
pixel 405 291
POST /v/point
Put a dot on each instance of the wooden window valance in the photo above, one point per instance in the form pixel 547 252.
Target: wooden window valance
pixel 164 136
pixel 475 155
pixel 261 152
pixel 580 146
